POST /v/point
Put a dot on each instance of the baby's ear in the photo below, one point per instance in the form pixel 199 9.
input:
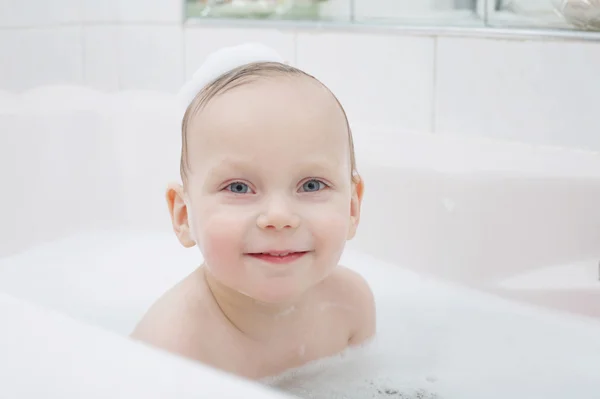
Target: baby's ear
pixel 179 214
pixel 358 187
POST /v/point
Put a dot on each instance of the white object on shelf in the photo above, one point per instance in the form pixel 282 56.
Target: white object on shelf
pixel 584 14
pixel 530 7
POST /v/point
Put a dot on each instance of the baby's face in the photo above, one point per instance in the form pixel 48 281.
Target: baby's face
pixel 270 175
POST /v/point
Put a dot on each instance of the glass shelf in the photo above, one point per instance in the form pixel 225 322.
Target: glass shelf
pixel 562 15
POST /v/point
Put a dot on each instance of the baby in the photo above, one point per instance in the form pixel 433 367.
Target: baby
pixel 270 195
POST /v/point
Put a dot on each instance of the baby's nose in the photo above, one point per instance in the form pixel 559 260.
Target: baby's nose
pixel 278 218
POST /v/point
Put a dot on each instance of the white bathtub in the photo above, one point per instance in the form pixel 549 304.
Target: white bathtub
pixel 83 215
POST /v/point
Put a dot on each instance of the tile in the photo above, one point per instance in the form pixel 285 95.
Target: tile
pixel 150 58
pixel 538 92
pixel 101 57
pixel 100 11
pixel 133 57
pixel 201 41
pixel 18 13
pixel 145 11
pixel 40 57
pixel 382 80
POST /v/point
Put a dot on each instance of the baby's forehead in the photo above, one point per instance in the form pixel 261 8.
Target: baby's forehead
pixel 275 92
pixel 298 109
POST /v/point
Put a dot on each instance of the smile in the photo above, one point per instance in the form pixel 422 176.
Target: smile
pixel 280 257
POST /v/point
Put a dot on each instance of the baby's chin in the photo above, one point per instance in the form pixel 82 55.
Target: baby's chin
pixel 278 291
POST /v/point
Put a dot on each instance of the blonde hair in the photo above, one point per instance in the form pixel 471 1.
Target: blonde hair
pixel 235 78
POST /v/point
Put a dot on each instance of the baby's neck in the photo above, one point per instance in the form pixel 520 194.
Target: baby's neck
pixel 257 320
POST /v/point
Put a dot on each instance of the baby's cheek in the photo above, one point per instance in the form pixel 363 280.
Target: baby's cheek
pixel 217 244
pixel 221 239
pixel 331 231
pixel 333 224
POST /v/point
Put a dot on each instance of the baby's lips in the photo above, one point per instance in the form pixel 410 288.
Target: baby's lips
pixel 277 252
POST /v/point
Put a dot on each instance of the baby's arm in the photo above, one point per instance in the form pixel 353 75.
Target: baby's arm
pixel 364 318
pixel 168 326
pixel 157 327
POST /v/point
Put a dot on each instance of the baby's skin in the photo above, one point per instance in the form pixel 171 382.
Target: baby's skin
pixel 270 195
pixel 258 340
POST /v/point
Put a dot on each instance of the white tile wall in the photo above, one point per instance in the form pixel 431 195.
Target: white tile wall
pixel 200 41
pixel 534 91
pixel 100 11
pixel 34 57
pixel 106 57
pixel 19 13
pixel 134 57
pixel 382 80
pixel 151 57
pixel 101 57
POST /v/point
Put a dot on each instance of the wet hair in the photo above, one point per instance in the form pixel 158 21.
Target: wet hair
pixel 238 77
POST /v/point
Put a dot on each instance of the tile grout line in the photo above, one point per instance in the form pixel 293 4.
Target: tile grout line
pixel 83 63
pixel 83 34
pixel 90 23
pixel 433 125
pixel 184 54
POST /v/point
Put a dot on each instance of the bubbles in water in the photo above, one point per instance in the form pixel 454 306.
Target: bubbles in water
pixel 439 341
pixel 357 373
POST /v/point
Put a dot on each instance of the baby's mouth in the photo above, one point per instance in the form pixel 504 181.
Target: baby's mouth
pixel 279 257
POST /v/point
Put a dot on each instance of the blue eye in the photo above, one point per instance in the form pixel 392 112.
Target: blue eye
pixel 313 185
pixel 238 188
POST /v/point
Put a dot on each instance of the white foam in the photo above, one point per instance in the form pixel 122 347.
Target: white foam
pixel 222 61
pixel 441 341
pixel 434 339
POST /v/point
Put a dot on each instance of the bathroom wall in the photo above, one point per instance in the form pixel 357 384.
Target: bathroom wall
pixel 537 91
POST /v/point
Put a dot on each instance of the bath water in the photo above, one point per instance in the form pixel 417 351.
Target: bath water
pixel 435 340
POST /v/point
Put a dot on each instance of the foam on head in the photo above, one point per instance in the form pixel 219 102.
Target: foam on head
pixel 231 67
pixel 222 61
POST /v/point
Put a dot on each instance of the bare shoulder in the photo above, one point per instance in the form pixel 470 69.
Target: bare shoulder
pixel 354 291
pixel 174 321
